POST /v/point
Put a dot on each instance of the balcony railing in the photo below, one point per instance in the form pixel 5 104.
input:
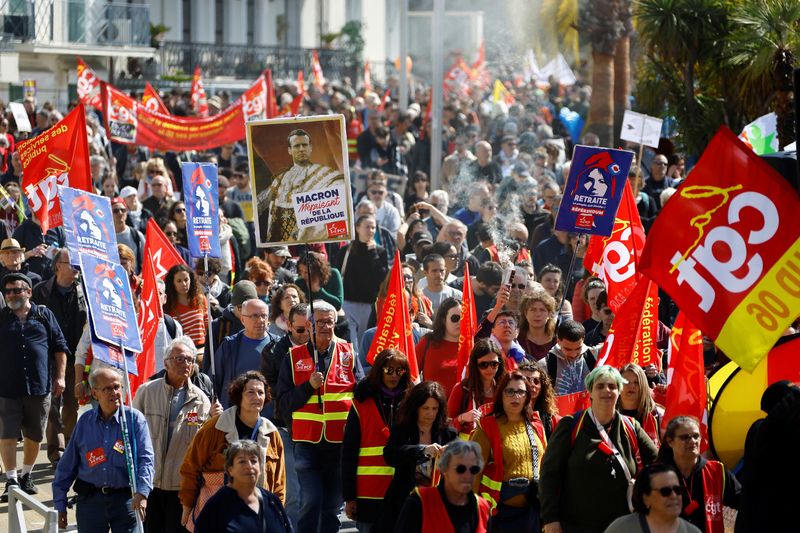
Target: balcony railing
pixel 64 22
pixel 247 62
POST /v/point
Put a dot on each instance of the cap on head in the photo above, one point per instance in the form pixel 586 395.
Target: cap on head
pixel 280 251
pixel 16 276
pixel 243 290
pixel 127 191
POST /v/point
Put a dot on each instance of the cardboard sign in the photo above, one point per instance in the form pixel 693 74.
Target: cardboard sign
pixel 20 116
pixel 641 129
pixel 593 190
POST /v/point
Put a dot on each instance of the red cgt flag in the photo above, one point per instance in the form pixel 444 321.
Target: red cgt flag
pixel 686 378
pixel 58 156
pixel 297 101
pixel 149 314
pixel 152 101
pixel 614 259
pixel 468 326
pixel 316 70
pixel 164 256
pixel 199 100
pixel 88 86
pixel 272 103
pixel 726 248
pixel 632 336
pixel 394 324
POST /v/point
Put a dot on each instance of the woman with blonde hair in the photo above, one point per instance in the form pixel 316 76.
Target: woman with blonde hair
pixel 537 327
pixel 637 402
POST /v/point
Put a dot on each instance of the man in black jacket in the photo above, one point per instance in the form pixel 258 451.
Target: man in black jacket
pixel 63 295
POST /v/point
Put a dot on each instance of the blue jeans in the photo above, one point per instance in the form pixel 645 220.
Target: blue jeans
pixel 292 484
pixel 319 473
pixel 97 512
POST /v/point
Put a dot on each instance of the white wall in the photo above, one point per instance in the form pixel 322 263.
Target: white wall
pixel 234 30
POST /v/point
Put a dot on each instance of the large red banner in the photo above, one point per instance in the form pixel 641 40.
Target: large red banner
pixel 130 122
pixel 468 326
pixel 726 248
pixel 58 156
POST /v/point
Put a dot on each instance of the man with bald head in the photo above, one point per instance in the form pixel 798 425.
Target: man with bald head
pixel 242 351
pixel 158 202
pixel 483 168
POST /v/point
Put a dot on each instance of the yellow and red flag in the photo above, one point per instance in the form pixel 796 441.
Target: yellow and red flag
pixel 199 100
pixel 726 248
pixel 316 70
pixel 501 94
pixel 58 156
pixel 394 323
pixel 88 86
pixel 614 258
pixel 686 378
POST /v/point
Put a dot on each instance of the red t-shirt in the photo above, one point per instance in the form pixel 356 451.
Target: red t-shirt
pixel 437 362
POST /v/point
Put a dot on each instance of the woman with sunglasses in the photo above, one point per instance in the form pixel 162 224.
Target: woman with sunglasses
pixel 285 297
pixel 186 304
pixel 637 402
pixel 375 408
pixel 512 447
pixel 537 324
pixel 437 351
pixel 656 504
pixel 472 398
pixel 708 485
pixel 260 273
pixel 542 397
pixel 177 214
pixel 171 232
pixel 415 444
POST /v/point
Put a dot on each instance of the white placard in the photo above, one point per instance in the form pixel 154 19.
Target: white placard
pixel 640 128
pixel 20 116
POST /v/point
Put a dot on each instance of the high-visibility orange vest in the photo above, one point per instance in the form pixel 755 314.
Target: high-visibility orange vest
pixel 434 514
pixel 373 475
pixel 493 472
pixel 310 422
pixel 354 129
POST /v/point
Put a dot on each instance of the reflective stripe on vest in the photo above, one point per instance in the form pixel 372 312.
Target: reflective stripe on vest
pixel 373 475
pixel 310 422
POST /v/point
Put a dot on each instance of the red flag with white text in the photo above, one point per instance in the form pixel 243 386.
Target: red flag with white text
pixel 394 323
pixel 57 156
pixel 686 378
pixel 163 254
pixel 468 326
pixel 272 103
pixel 88 86
pixel 614 259
pixel 199 100
pixel 297 101
pixel 632 335
pixel 152 101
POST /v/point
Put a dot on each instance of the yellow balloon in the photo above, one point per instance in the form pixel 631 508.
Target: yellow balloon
pixel 735 398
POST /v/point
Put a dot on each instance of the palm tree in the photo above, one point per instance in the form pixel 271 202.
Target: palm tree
pixel 763 45
pixel 622 65
pixel 599 22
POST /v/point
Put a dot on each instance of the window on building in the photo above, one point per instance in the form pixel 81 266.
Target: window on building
pixel 219 22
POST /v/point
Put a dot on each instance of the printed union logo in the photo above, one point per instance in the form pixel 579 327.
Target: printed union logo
pixel 336 229
pixel 584 220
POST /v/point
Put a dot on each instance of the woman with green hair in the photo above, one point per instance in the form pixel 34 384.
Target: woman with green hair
pixel 591 461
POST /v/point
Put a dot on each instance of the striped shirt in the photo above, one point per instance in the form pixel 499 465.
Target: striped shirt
pixel 193 320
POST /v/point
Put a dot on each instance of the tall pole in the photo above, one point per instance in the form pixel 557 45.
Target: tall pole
pixel 403 94
pixel 437 32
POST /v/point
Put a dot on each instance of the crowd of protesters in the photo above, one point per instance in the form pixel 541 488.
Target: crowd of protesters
pixel 284 434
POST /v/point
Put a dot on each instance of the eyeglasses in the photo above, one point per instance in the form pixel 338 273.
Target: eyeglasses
pixel 180 209
pixel 389 370
pixel 483 365
pixel 119 210
pixel 300 330
pixel 520 286
pixel 262 316
pixel 660 163
pixel 455 319
pixel 181 359
pixel 506 322
pixel 474 469
pixel 14 290
pixel 688 436
pixel 325 323
pixel 667 491
pixel 171 233
pixel 515 393
pixel 451 256
pixel 108 390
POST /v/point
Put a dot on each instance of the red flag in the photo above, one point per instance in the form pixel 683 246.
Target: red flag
pixel 614 259
pixel 294 107
pixel 152 101
pixel 58 156
pixel 686 378
pixel 199 101
pixel 632 335
pixel 571 403
pixel 150 313
pixel 316 70
pixel 480 62
pixel 386 99
pixel 394 324
pixel 468 326
pixel 272 103
pixel 88 86
pixel 456 79
pixel 367 77
pixel 426 118
pixel 726 248
pixel 160 250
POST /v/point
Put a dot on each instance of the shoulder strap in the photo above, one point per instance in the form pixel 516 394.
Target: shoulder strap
pixel 577 424
pixel 169 323
pixel 552 367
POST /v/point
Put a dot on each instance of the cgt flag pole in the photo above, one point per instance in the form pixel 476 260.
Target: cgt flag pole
pixel 128 441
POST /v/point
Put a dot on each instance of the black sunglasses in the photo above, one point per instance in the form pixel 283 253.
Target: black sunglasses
pixel 389 370
pixel 520 286
pixel 474 469
pixel 299 331
pixel 14 290
pixel 455 319
pixel 483 365
pixel 667 491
